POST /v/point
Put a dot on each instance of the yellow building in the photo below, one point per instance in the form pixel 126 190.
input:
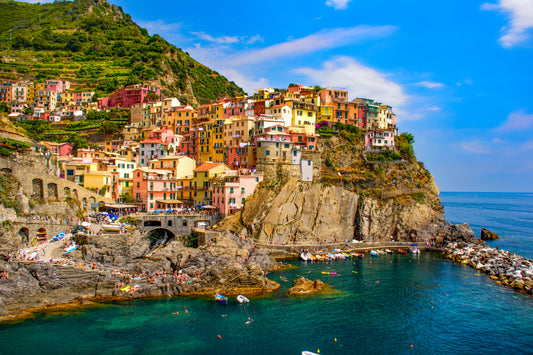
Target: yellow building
pixel 202 181
pixel 181 166
pixel 97 180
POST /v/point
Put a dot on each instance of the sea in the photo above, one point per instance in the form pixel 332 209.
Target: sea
pixel 393 304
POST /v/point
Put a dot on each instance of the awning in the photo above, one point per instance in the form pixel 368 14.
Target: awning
pixel 169 202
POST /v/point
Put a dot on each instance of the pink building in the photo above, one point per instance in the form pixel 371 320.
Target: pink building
pixel 379 139
pixel 131 95
pixel 277 133
pixel 230 194
pixel 154 189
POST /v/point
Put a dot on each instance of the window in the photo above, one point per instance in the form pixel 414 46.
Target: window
pixel 268 152
pixel 242 190
pixel 231 190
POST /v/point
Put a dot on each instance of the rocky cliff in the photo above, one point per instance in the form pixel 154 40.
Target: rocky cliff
pixel 355 198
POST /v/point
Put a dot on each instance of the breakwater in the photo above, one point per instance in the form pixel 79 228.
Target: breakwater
pixel 504 267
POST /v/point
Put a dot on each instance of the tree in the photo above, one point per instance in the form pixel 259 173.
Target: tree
pixel 4 107
pixel 28 111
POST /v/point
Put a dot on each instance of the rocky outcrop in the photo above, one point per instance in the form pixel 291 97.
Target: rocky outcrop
pixel 488 235
pixel 302 286
pixel 123 266
pixel 304 212
pixel 506 268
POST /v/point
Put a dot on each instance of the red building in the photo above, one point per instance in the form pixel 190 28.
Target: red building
pixel 134 94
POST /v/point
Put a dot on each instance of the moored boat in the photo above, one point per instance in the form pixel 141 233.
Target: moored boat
pixel 401 251
pixel 388 251
pixel 374 253
pixel 220 298
pixel 414 250
pixel 357 255
pixel 306 256
pixel 242 299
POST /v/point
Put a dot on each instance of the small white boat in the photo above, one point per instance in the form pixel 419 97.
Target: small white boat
pixel 374 253
pixel 414 250
pixel 306 256
pixel 111 227
pixel 305 352
pixel 242 299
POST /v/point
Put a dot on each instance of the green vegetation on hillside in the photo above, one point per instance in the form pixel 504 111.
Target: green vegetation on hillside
pixel 97 46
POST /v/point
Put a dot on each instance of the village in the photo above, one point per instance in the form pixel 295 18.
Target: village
pixel 173 156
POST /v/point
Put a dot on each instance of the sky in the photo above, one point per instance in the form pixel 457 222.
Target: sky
pixel 458 74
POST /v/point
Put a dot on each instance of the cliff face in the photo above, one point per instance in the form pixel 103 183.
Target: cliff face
pixel 314 212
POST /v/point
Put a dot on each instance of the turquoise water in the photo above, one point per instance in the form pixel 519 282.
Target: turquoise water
pixel 382 305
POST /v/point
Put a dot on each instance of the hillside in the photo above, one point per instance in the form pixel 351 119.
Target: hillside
pixel 96 45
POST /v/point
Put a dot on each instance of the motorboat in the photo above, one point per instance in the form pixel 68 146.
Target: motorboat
pixel 220 298
pixel 401 251
pixel 414 250
pixel 374 253
pixel 242 299
pixel 388 251
pixel 70 248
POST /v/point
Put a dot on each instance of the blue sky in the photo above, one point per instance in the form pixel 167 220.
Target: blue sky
pixel 459 74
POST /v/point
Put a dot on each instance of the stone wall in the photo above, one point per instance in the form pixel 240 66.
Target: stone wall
pixel 42 187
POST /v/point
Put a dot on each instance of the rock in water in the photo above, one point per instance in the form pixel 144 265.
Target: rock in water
pixel 302 286
pixel 488 235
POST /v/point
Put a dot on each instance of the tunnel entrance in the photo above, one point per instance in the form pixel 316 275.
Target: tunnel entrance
pixel 159 236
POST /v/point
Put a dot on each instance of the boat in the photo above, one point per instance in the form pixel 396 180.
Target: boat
pixel 357 255
pixel 70 248
pixel 388 251
pixel 401 251
pixel 111 227
pixel 242 299
pixel 414 250
pixel 58 236
pixel 305 352
pixel 221 298
pixel 306 256
pixel 374 253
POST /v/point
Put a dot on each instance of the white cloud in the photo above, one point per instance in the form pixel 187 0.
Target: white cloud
pixel 474 146
pixel 517 121
pixel 520 14
pixel 358 79
pixel 244 81
pixel 312 43
pixel 159 26
pixel 430 84
pixel 338 4
pixel 220 40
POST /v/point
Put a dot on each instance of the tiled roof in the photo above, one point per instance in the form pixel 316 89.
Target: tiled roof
pixel 207 166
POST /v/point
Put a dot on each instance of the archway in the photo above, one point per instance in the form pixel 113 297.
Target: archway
pixel 52 190
pixel 67 191
pixel 24 234
pixel 84 203
pixel 169 223
pixel 159 236
pixel 75 193
pixel 92 200
pixel 37 185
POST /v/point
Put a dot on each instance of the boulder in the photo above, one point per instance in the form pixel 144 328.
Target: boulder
pixel 488 235
pixel 305 286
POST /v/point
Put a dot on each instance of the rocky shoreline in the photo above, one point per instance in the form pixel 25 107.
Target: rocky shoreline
pixel 504 267
pixel 123 267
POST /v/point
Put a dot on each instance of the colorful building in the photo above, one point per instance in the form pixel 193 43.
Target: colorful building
pixel 229 193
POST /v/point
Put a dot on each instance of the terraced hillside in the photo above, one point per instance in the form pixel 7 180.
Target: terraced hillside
pixel 96 45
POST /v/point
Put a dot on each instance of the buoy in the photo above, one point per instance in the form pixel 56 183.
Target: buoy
pixel 219 336
pixel 370 262
pixel 335 339
pixel 409 260
pixel 377 281
pixel 411 346
pixel 318 351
